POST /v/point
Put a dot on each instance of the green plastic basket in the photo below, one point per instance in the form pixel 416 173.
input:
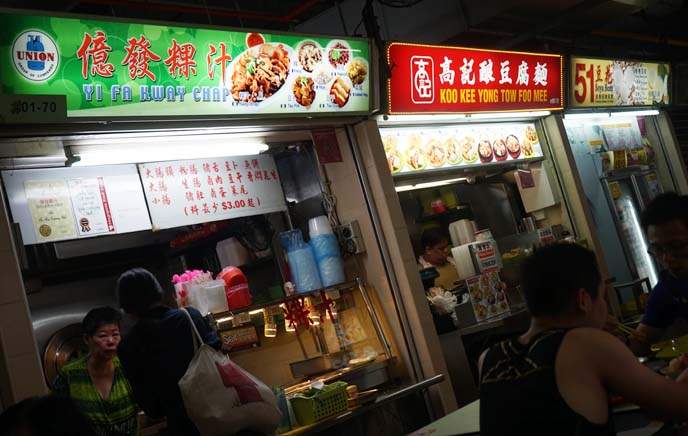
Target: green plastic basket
pixel 329 402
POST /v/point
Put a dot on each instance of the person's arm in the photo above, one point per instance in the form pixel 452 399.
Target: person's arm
pixel 643 338
pixel 659 315
pixel 620 372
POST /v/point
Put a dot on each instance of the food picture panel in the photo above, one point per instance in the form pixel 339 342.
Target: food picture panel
pixel 412 149
pixel 487 296
pixel 118 69
pixel 613 82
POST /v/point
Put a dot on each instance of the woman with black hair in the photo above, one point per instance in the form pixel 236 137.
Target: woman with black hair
pixel 96 382
pixel 157 352
pixel 435 245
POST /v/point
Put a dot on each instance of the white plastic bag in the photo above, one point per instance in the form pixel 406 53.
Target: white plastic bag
pixel 444 300
pixel 217 409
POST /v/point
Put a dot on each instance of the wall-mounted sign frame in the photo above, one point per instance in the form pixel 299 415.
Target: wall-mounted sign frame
pixel 113 69
pixel 438 79
pixel 613 83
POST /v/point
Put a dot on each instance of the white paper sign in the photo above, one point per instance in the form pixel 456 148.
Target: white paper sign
pixel 49 205
pixel 487 256
pixel 181 193
pixel 91 206
pixel 546 235
pixel 67 203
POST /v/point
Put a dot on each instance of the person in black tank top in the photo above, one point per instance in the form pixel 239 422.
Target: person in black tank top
pixel 556 378
pixel 519 381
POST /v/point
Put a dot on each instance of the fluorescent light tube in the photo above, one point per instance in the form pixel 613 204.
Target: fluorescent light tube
pixel 508 115
pixel 139 150
pixel 404 188
pixel 408 119
pixel 586 116
pixel 649 112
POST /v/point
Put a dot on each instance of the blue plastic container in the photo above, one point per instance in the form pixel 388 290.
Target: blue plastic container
pixel 329 259
pixel 304 270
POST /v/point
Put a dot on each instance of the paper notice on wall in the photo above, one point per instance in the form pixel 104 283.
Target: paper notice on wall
pixel 91 206
pixel 198 191
pixel 623 135
pixel 50 208
pixel 54 204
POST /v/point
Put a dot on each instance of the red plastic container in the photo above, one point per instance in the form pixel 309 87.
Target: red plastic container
pixel 236 287
pixel 238 296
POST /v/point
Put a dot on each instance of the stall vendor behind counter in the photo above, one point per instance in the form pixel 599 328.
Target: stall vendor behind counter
pixel 436 255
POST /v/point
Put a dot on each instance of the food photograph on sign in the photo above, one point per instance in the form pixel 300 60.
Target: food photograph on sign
pixel 608 82
pixel 114 68
pixel 417 149
pixel 487 296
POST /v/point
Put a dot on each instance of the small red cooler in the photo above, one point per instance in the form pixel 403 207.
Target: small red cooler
pixel 236 287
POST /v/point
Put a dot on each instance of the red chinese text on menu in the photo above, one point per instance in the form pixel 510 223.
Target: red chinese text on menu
pixel 210 188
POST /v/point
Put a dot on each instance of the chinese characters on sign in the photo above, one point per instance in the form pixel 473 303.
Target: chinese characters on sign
pixel 607 82
pixel 204 190
pixel 111 69
pixel 449 79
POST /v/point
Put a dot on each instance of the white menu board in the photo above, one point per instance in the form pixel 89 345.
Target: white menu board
pixel 58 204
pixel 181 193
pixel 623 135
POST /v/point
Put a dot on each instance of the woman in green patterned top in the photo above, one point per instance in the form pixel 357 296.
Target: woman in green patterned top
pixel 96 382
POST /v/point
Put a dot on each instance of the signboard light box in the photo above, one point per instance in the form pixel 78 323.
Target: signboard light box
pixel 437 79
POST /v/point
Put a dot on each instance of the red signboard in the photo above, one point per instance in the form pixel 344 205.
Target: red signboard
pixel 435 79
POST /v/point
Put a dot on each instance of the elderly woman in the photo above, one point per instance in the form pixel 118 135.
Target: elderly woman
pixel 96 382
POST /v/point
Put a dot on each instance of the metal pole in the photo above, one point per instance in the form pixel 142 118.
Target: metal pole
pixel 553 158
pixel 373 316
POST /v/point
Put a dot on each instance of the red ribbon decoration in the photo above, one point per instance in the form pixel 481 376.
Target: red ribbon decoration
pixel 326 306
pixel 296 312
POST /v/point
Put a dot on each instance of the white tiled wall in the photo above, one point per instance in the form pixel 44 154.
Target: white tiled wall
pixel 22 375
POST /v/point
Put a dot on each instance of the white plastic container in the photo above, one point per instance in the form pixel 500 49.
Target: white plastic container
pixel 215 296
pixel 230 252
pixel 461 232
pixel 319 225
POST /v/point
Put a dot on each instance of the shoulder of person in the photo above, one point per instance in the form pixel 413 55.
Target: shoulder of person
pixel 666 280
pixel 191 310
pixel 75 365
pixel 592 341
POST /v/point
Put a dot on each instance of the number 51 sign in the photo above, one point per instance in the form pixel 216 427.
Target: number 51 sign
pixel 610 82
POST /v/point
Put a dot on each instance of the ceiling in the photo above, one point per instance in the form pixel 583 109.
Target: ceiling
pixel 645 29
